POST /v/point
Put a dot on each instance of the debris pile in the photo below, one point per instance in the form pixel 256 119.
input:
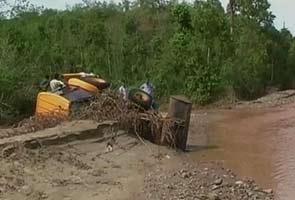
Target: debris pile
pixel 131 117
pixel 206 182
pixel 107 106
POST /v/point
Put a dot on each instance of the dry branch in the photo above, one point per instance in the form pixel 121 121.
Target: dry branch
pixel 109 106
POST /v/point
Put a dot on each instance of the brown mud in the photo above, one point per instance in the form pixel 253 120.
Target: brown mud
pixel 254 142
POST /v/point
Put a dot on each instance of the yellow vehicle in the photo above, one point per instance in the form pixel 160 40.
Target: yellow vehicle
pixel 78 89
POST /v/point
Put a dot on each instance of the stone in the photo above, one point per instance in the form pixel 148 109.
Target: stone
pixel 28 171
pixel 215 187
pixel 267 191
pixel 76 179
pixel 239 182
pixel 26 189
pixel 170 187
pixel 8 150
pixel 213 196
pixel 185 175
pixel 44 196
pixel 218 181
pixel 256 188
pixel 250 193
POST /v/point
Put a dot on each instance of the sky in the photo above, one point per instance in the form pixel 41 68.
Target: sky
pixel 284 10
pixel 57 4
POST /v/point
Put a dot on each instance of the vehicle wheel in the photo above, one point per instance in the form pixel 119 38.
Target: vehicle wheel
pixel 140 98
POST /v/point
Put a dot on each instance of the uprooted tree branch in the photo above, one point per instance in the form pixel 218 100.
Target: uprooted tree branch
pixel 150 125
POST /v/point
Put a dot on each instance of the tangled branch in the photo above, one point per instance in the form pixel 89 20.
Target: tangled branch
pixel 107 106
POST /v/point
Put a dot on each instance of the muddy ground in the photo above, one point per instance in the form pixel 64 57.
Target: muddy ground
pixel 85 170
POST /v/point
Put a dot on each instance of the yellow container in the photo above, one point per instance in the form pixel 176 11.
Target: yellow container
pixel 84 85
pixel 49 103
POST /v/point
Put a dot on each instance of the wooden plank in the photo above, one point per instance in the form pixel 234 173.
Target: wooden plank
pixel 180 109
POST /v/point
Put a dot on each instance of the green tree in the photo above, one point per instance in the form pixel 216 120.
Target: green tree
pixel 248 68
pixel 255 10
pixel 194 49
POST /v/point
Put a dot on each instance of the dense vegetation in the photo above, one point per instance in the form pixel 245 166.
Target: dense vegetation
pixel 199 49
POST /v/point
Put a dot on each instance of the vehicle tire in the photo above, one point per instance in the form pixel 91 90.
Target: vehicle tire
pixel 100 83
pixel 140 98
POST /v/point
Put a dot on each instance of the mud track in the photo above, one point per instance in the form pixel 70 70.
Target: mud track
pixel 233 154
pixel 85 170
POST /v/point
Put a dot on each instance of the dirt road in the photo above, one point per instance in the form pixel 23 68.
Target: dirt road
pixel 78 171
pixel 84 170
pixel 256 143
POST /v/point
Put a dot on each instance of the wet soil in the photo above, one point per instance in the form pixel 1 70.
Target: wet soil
pixel 85 170
pixel 254 142
pixel 81 170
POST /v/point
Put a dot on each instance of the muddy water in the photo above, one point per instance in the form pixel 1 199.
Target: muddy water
pixel 255 143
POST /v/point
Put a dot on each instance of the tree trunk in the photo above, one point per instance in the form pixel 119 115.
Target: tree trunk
pixel 272 72
pixel 208 56
pixel 232 15
pixel 109 58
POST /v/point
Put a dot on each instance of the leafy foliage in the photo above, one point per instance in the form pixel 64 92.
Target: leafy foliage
pixel 194 49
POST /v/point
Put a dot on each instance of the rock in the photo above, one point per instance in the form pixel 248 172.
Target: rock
pixel 28 171
pixel 185 175
pixel 17 164
pixel 213 196
pixel 190 181
pixel 76 180
pixel 97 172
pixel 250 193
pixel 8 150
pixel 215 187
pixel 239 182
pixel 109 148
pixel 26 189
pixel 205 173
pixel 170 187
pixel 256 188
pixel 44 196
pixel 267 191
pixel 218 181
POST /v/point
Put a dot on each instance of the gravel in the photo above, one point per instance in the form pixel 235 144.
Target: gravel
pixel 271 100
pixel 196 182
